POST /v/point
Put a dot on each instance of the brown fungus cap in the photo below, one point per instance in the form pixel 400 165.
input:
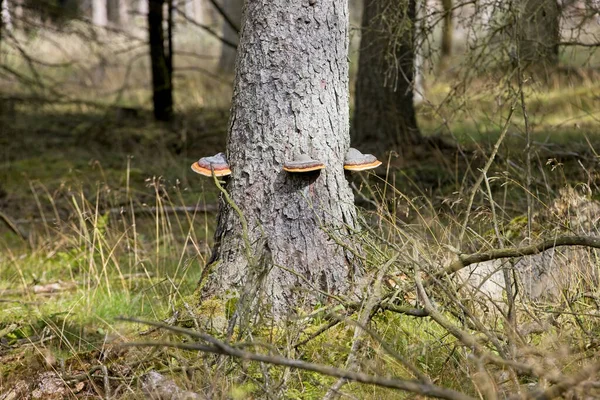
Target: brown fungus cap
pixel 357 161
pixel 303 163
pixel 206 165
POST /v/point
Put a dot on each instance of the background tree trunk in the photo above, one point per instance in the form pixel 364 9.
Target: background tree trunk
pixel 192 11
pixel 142 7
pixel 99 12
pixel 290 98
pixel 162 88
pixel 5 17
pixel 113 11
pixel 420 33
pixel 2 5
pixel 384 117
pixel 539 32
pixel 234 9
pixel 447 34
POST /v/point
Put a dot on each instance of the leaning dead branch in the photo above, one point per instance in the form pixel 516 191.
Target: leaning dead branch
pixel 464 260
pixel 12 225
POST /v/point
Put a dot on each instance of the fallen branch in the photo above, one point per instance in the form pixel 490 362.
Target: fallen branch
pixel 464 260
pixel 48 288
pixel 218 347
pixel 209 208
pixel 12 225
pixel 568 383
pixel 597 44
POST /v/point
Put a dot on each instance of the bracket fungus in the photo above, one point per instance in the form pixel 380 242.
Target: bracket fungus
pixel 357 161
pixel 303 163
pixel 217 163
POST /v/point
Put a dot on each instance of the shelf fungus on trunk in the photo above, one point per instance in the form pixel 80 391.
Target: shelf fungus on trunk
pixel 303 163
pixel 217 163
pixel 357 161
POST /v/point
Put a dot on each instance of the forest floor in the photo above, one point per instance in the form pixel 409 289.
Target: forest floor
pixel 102 217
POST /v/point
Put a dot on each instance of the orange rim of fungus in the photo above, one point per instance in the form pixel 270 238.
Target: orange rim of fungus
pixel 304 169
pixel 362 167
pixel 219 172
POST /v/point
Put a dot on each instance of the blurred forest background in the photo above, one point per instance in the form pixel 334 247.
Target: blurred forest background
pixel 490 141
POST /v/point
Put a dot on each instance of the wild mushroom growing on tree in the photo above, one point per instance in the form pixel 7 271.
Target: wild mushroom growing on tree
pixel 357 161
pixel 303 163
pixel 217 163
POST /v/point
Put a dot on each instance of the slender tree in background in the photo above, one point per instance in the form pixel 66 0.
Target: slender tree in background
pixel 99 12
pixel 117 12
pixel 447 34
pixel 233 9
pixel 6 18
pixel 162 88
pixel 142 7
pixel 419 78
pixel 538 31
pixel 113 11
pixel 384 117
pixel 290 99
pixel 1 20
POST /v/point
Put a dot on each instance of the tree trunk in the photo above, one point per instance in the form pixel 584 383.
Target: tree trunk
pixel 5 17
pixel 420 34
pixel 539 32
pixel 142 7
pixel 191 10
pixel 117 12
pixel 112 12
pixel 290 98
pixel 447 34
pixel 2 5
pixel 162 93
pixel 233 9
pixel 99 12
pixel 124 13
pixel 384 117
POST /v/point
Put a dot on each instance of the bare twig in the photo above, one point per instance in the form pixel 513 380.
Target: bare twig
pixel 225 16
pixel 363 319
pixel 12 225
pixel 486 168
pixel 218 347
pixel 568 383
pixel 509 252
pixel 208 208
pixel 207 28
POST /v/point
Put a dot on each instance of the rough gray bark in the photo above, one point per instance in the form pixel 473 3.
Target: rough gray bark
pixel 384 116
pixel 234 9
pixel 539 32
pixel 290 97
